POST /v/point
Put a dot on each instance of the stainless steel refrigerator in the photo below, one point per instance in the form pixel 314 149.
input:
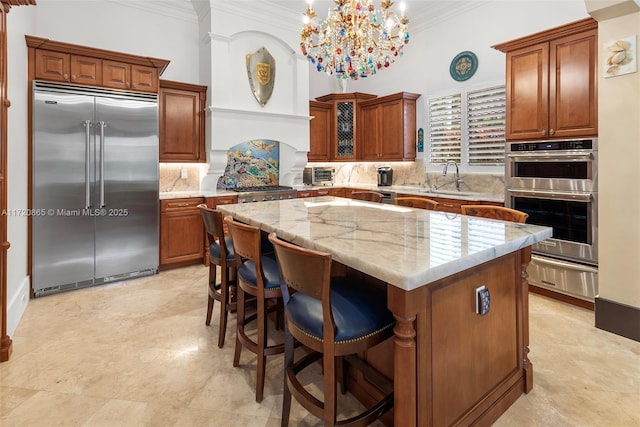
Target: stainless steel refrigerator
pixel 95 186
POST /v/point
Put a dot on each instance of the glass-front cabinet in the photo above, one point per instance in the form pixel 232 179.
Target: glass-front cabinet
pixel 345 111
pixel 345 119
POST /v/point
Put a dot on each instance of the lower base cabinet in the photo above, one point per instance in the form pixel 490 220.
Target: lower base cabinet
pixel 181 233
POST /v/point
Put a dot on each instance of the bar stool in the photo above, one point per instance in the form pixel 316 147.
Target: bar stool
pixel 220 254
pixel 257 275
pixel 495 212
pixel 416 202
pixel 370 196
pixel 332 318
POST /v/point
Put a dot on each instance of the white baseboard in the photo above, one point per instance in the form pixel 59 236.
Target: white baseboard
pixel 17 306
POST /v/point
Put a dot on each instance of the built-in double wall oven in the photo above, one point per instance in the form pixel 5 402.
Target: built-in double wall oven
pixel 556 183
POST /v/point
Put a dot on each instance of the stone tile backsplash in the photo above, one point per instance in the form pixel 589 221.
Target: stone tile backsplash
pixel 171 176
pixel 414 174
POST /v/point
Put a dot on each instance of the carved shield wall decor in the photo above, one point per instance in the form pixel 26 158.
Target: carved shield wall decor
pixel 261 69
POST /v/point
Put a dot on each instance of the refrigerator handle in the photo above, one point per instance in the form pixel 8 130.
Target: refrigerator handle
pixel 87 160
pixel 102 126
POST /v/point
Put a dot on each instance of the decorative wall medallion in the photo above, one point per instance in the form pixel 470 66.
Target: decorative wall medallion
pixel 463 66
pixel 621 57
pixel 261 69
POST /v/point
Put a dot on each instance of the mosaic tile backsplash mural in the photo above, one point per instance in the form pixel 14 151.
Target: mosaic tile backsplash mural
pixel 251 163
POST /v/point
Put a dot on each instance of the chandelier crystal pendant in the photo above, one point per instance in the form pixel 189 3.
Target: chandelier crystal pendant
pixel 356 39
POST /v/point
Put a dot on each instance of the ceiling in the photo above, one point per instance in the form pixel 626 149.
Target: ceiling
pixel 421 13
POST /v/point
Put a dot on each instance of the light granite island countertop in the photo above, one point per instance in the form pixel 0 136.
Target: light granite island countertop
pixel 449 364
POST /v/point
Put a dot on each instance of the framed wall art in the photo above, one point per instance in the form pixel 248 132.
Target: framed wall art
pixel 620 57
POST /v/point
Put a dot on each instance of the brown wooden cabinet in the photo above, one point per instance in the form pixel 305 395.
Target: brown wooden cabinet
pixel 388 130
pixel 181 233
pixel 306 193
pixel 63 62
pixel 120 75
pixel 85 70
pixel 344 124
pixel 552 83
pixel 364 127
pixel 55 66
pixel 182 122
pixel 320 131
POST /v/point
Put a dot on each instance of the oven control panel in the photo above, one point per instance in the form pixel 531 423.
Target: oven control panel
pixel 573 144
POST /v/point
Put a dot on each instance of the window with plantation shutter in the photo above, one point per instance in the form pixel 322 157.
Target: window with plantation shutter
pixel 445 128
pixel 468 128
pixel 485 126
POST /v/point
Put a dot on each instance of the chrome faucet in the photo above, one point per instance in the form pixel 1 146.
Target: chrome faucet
pixel 458 180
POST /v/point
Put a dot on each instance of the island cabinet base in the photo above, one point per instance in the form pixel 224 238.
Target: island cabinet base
pixel 449 365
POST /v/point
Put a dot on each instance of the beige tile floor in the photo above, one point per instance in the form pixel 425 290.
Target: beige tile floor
pixel 137 353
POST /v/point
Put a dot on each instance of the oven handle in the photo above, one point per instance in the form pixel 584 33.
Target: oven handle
pixel 564 264
pixel 558 195
pixel 573 157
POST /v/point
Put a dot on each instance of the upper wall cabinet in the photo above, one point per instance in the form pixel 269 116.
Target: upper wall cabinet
pixel 552 83
pixel 64 62
pixel 182 122
pixel 388 128
pixel 344 123
pixel 320 131
pixel 363 127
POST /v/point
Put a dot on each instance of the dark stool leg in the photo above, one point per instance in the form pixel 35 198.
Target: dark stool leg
pixel 288 363
pixel 224 305
pixel 240 328
pixel 212 291
pixel 262 344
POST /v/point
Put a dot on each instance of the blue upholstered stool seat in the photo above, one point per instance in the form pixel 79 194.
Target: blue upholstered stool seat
pixel 247 272
pixel 214 249
pixel 357 311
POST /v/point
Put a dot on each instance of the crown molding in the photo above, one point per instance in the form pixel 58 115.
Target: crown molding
pixel 272 14
pixel 179 9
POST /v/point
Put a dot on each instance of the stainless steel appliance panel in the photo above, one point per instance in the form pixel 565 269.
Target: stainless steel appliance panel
pixel 572 215
pixel 566 277
pixel 62 247
pixel 95 175
pixel 126 187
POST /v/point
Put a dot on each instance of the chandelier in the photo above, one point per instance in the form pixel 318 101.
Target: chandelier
pixel 356 39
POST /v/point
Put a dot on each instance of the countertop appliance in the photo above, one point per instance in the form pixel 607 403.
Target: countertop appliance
pixel 264 193
pixel 385 176
pixel 317 175
pixel 95 186
pixel 556 183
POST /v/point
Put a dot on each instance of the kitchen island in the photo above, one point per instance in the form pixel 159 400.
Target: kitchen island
pixel 449 365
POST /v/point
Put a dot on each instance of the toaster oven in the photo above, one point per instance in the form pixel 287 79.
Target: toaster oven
pixel 317 175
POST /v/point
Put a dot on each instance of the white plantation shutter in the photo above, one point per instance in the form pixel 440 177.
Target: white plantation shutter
pixel 486 124
pixel 445 128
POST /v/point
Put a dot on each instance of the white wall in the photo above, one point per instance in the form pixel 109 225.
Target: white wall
pixel 115 26
pixel 424 67
pixel 19 22
pixel 619 156
pixel 101 24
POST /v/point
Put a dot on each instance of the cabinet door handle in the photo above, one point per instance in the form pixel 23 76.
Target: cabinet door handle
pixel 551 131
pixel 544 132
pixel 66 76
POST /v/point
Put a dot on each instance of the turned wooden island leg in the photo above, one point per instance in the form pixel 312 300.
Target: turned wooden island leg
pixel 405 305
